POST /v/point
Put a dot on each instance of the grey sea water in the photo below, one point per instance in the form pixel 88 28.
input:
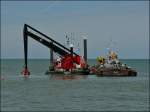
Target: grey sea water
pixel 41 92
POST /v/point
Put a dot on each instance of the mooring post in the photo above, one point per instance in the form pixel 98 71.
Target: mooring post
pixel 51 67
pixel 71 49
pixel 85 48
pixel 51 56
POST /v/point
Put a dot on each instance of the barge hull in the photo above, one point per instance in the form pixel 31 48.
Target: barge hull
pixel 112 73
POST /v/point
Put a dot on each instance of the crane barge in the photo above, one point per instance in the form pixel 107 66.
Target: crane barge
pixel 70 62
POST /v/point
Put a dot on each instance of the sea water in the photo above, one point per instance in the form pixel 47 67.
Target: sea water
pixel 42 92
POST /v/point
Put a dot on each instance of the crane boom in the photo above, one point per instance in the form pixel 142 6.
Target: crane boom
pixel 52 44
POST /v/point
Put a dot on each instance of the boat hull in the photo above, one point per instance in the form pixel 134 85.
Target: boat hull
pixel 79 72
pixel 116 72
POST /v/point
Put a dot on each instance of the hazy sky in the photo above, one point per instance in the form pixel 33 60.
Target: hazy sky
pixel 126 23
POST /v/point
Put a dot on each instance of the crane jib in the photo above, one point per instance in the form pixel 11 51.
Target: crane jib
pixel 52 44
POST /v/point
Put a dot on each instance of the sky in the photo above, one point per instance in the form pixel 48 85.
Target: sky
pixel 120 25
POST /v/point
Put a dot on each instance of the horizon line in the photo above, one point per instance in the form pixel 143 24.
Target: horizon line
pixel 49 59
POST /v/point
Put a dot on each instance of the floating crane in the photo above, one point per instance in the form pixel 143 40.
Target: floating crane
pixel 68 57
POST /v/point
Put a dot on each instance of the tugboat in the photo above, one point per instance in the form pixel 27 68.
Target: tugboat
pixel 111 66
